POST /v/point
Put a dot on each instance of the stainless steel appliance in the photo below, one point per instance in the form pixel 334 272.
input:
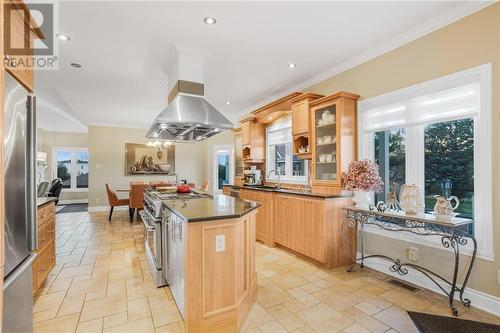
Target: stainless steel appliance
pixel 153 246
pixel 175 236
pixel 188 116
pixel 252 177
pixel 20 206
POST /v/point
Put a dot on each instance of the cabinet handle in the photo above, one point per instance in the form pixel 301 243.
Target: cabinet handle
pixel 51 257
pixel 42 270
pixel 43 239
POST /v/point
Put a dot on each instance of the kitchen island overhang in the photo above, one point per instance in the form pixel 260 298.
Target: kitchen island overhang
pixel 210 260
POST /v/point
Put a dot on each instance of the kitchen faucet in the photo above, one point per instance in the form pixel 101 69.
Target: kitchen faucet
pixel 171 173
pixel 278 174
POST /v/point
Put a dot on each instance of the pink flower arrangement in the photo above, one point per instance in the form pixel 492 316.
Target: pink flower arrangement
pixel 362 175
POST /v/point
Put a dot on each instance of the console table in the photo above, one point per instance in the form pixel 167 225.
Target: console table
pixel 454 233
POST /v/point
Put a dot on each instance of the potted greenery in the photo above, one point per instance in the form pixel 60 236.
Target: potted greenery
pixel 362 177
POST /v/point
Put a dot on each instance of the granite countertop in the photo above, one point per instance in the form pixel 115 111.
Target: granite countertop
pixel 40 201
pixel 337 194
pixel 208 209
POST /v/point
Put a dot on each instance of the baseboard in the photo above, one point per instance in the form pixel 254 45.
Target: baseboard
pixel 106 208
pixel 479 299
pixel 73 201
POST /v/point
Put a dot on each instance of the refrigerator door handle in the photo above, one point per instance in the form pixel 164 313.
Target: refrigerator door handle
pixel 31 172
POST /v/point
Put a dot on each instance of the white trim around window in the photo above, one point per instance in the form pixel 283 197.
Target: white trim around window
pixel 402 101
pixel 73 151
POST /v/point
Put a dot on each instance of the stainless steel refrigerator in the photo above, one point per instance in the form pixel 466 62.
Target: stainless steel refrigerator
pixel 19 139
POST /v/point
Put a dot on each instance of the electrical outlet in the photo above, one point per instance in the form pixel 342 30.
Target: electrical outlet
pixel 98 166
pixel 97 200
pixel 413 253
pixel 220 243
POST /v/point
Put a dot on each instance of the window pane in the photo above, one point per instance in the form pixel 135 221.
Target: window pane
pixel 63 159
pixel 449 163
pixel 82 169
pixel 280 158
pixel 390 154
pixel 299 166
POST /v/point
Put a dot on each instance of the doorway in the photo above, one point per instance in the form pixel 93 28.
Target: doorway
pixel 223 169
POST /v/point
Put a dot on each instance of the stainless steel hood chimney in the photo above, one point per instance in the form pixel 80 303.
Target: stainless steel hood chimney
pixel 188 116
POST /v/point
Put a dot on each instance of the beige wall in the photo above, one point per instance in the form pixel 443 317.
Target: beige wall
pixel 107 161
pixel 469 42
pixel 47 140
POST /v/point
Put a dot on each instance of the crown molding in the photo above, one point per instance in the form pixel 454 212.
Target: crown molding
pixel 426 28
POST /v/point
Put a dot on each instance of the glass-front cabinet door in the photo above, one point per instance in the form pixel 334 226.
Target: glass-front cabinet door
pixel 325 143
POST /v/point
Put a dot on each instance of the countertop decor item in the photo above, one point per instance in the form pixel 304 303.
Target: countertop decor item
pixel 392 198
pixel 362 177
pixel 411 199
pixel 443 207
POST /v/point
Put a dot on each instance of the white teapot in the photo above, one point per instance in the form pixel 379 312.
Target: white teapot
pixel 443 205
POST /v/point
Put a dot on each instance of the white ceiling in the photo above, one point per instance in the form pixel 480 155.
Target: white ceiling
pixel 123 47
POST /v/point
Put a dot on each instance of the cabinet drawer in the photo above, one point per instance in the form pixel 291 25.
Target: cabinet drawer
pixel 43 264
pixel 45 213
pixel 46 233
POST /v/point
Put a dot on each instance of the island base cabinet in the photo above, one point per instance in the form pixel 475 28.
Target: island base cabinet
pixel 313 229
pixel 221 285
pixel 264 220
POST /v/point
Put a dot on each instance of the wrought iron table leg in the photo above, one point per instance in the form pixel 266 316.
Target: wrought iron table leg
pixel 453 242
pixel 466 301
pixel 362 245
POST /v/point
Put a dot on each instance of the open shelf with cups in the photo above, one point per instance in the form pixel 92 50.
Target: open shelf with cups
pixel 333 138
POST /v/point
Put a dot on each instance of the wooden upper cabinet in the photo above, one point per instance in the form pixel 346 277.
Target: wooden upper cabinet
pixel 245 133
pixel 19 23
pixel 333 138
pixel 253 139
pixel 300 113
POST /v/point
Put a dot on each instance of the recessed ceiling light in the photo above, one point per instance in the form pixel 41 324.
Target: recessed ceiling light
pixel 228 102
pixel 63 37
pixel 209 20
pixel 76 65
pixel 292 65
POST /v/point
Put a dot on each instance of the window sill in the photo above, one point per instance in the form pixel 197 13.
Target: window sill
pixel 430 241
pixel 70 190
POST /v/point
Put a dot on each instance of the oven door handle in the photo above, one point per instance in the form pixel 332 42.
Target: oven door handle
pixel 145 220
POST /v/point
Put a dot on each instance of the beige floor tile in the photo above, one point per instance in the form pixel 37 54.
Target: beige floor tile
pixel 256 317
pixel 368 308
pixel 87 286
pixel 116 319
pixel 48 301
pixel 271 327
pixel 362 319
pixel 355 329
pixel 271 295
pixel 285 317
pixel 92 326
pixel 144 325
pixel 323 318
pixel 288 280
pixel 172 328
pixel 75 271
pixel 295 305
pixel 60 285
pixel 57 325
pixel 396 318
pixel 71 304
pixel 103 307
pixel 45 315
pixel 165 313
pixel 138 309
pixel 303 296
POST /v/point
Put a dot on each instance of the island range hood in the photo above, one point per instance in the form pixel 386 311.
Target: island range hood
pixel 188 116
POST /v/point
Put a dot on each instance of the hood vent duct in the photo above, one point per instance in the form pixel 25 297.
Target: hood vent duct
pixel 188 116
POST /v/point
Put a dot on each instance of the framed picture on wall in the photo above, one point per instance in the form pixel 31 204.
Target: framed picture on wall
pixel 141 159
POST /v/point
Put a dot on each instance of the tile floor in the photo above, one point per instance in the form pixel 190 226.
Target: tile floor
pixel 101 283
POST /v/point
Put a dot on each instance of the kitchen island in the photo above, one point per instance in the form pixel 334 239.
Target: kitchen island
pixel 210 260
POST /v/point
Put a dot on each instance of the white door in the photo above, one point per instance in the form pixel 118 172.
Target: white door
pixel 223 166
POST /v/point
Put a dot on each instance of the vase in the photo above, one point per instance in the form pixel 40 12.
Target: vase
pixel 362 199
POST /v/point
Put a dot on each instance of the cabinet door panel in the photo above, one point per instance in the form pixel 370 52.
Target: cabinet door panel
pixel 310 234
pixel 285 220
pixel 300 118
pixel 245 133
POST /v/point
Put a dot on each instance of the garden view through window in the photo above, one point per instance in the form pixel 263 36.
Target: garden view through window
pixel 72 166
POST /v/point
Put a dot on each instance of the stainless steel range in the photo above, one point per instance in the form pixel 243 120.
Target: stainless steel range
pixel 154 233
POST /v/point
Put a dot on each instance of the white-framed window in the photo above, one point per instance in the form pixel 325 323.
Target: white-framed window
pixel 72 166
pixel 280 155
pixel 436 134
